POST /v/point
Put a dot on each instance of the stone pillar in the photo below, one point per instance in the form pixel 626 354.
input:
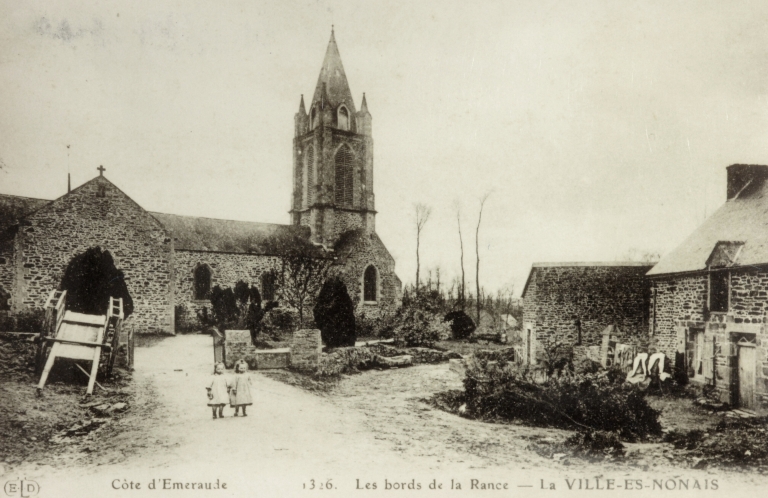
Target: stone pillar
pixel 237 346
pixel 305 349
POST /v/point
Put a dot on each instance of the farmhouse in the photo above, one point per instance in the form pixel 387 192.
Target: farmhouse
pixel 169 260
pixel 710 295
pixel 585 306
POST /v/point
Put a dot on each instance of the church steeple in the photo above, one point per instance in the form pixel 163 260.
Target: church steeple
pixel 334 79
pixel 333 158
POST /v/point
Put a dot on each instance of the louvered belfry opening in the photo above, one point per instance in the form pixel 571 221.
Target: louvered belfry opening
pixel 309 196
pixel 343 187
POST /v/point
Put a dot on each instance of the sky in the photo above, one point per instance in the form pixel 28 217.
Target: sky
pixel 600 129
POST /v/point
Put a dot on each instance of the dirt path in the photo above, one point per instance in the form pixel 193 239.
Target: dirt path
pixel 371 427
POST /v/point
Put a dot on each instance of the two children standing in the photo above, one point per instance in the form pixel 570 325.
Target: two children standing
pixel 235 390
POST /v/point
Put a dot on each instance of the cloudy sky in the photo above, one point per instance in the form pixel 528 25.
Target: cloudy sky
pixel 599 128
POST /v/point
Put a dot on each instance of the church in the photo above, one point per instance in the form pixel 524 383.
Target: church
pixel 171 262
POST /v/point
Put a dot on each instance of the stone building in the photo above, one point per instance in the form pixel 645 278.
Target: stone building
pixel 710 295
pixel 170 260
pixel 572 304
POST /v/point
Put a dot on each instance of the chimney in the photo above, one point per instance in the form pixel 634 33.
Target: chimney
pixel 745 179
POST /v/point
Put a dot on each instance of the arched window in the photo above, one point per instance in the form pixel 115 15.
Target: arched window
pixel 343 170
pixel 313 119
pixel 343 118
pixel 202 285
pixel 369 284
pixel 268 285
pixel 309 177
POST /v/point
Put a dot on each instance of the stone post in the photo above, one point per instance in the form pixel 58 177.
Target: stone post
pixel 306 346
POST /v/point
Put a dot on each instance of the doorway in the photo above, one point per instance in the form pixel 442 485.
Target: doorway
pixel 746 361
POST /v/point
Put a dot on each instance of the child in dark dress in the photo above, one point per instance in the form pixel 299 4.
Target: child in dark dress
pixel 240 393
pixel 218 390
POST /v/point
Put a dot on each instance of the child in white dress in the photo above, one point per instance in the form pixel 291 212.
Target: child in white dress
pixel 240 392
pixel 218 391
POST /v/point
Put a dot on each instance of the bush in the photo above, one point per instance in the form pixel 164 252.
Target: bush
pixel 504 391
pixel 335 314
pixel 462 325
pixel 592 444
pixel 30 320
pixel 90 279
pixel 278 321
pixel 414 327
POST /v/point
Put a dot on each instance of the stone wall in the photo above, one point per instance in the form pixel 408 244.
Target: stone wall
pixel 365 249
pixel 306 346
pixel 680 303
pixel 7 270
pixel 560 300
pixel 226 270
pixel 675 302
pixel 97 214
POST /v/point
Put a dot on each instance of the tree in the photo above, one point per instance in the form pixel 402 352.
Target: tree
pixel 422 212
pixel 90 279
pixel 303 270
pixel 477 253
pixel 461 295
pixel 334 314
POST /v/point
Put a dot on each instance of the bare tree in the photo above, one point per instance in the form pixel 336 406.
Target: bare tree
pixel 477 254
pixel 422 215
pixel 461 296
pixel 303 270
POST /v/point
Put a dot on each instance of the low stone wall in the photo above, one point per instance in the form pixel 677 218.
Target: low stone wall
pixel 265 359
pixel 238 346
pixel 305 349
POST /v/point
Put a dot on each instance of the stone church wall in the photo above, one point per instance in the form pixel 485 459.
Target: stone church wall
pixel 97 214
pixel 226 270
pixel 561 300
pixel 6 269
pixel 369 250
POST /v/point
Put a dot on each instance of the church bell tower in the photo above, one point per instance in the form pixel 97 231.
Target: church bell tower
pixel 333 158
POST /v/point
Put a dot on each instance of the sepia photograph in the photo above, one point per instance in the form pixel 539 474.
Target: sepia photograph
pixel 348 248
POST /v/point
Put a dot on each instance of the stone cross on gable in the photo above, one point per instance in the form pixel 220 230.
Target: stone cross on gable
pixel 101 169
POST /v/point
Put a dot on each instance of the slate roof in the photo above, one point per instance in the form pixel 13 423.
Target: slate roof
pixel 208 234
pixel 741 223
pixel 584 264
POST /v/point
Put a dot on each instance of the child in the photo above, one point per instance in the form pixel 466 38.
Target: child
pixel 240 394
pixel 217 391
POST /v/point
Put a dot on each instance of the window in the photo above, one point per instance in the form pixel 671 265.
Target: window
pixel 694 353
pixel 719 283
pixel 202 286
pixel 268 280
pixel 343 170
pixel 369 284
pixel 343 118
pixel 313 119
pixel 309 183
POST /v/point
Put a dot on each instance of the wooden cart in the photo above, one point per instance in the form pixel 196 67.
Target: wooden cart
pixel 78 336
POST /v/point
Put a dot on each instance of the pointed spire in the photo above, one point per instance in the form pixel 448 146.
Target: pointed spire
pixel 334 79
pixel 302 110
pixel 364 104
pixel 69 183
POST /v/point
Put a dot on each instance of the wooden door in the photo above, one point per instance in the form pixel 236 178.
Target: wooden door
pixel 746 376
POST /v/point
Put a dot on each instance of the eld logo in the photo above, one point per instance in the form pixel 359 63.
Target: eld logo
pixel 21 488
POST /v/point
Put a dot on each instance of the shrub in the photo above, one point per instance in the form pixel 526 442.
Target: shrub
pixel 414 327
pixel 505 391
pixel 335 314
pixel 595 444
pixel 90 279
pixel 30 320
pixel 278 321
pixel 462 325
pixel 587 366
pixel 182 320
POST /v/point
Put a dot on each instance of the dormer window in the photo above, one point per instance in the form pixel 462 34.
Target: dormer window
pixel 343 118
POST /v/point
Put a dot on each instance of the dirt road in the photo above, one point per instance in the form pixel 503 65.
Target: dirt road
pixel 371 428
